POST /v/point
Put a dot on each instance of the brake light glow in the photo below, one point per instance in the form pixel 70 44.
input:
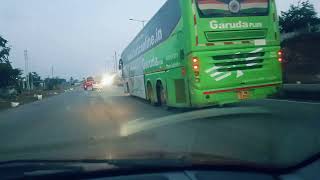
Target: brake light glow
pixel 195 60
pixel 195 64
pixel 280 59
pixel 196 68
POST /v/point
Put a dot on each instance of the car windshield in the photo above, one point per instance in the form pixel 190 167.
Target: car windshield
pixel 216 8
pixel 81 81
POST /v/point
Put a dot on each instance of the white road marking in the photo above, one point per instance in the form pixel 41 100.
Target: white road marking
pixel 224 76
pixel 137 120
pixel 292 101
pixel 130 128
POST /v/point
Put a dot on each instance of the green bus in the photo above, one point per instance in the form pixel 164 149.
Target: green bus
pixel 198 53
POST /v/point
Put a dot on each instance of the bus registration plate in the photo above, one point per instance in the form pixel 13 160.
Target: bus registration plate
pixel 242 95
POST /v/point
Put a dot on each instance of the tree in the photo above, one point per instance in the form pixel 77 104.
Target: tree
pixel 54 83
pixel 35 79
pixel 4 51
pixel 8 75
pixel 298 16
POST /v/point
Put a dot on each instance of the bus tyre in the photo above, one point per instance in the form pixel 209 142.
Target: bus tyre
pixel 150 96
pixel 162 97
pixel 127 88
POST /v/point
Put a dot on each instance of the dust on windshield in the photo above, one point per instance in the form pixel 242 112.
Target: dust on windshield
pixel 76 82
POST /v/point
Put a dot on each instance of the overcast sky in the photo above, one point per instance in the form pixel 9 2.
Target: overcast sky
pixel 76 37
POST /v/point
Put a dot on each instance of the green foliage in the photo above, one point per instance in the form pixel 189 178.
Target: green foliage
pixel 8 75
pixel 4 51
pixel 54 83
pixel 298 16
pixel 35 78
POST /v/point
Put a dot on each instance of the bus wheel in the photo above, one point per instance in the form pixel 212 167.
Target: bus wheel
pixel 127 89
pixel 162 97
pixel 150 97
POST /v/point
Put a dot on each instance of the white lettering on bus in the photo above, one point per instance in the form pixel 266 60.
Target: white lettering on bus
pixel 146 44
pixel 171 57
pixel 153 62
pixel 235 25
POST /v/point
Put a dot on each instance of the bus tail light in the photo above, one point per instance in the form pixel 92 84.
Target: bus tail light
pixel 280 54
pixel 196 66
pixel 195 60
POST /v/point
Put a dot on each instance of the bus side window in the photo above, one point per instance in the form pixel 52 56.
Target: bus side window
pixel 120 64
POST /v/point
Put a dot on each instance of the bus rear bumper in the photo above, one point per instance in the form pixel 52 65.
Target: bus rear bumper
pixel 204 98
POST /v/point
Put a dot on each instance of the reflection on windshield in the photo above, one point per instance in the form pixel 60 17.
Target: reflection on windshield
pixel 92 83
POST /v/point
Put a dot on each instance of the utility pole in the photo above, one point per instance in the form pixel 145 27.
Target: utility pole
pixel 106 67
pixel 109 65
pixel 309 27
pixel 26 66
pixel 52 72
pixel 116 61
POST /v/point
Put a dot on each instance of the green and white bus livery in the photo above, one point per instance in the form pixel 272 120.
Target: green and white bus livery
pixel 197 53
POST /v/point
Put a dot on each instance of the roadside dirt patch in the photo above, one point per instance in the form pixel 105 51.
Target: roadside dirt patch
pixel 27 97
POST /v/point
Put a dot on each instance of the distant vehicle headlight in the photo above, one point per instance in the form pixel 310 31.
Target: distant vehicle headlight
pixel 107 80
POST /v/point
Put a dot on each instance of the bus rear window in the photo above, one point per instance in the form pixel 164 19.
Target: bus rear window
pixel 233 8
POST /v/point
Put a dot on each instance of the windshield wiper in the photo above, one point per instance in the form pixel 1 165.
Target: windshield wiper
pixel 130 162
pixel 31 168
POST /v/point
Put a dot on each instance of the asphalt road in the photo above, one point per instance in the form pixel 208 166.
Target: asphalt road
pixel 109 124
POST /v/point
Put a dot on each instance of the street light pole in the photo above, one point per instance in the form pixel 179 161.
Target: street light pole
pixel 115 61
pixel 137 20
pixel 26 60
pixel 52 71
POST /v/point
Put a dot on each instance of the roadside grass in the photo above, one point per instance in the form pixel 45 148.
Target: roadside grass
pixel 27 97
